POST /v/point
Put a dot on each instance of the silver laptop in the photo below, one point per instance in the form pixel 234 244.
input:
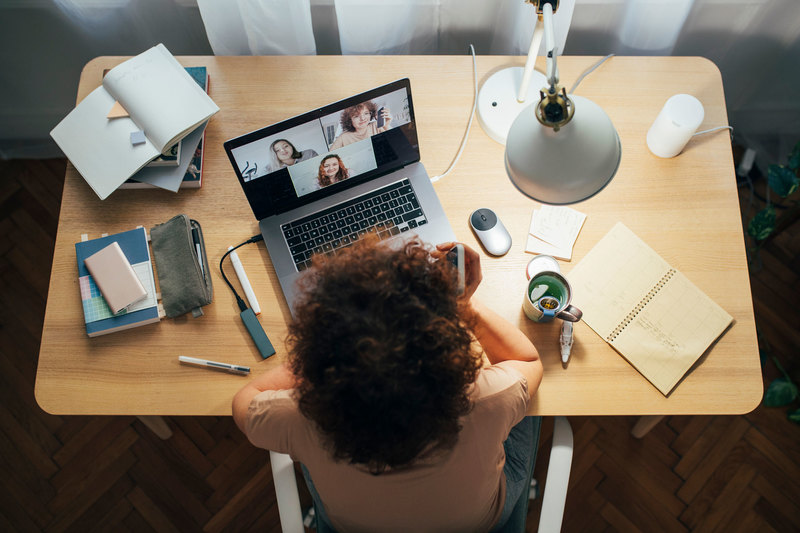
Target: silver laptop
pixel 321 180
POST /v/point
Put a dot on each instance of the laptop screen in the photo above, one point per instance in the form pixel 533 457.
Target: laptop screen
pixel 319 153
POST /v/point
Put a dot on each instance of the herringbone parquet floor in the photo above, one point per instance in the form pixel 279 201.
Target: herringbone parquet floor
pixel 701 473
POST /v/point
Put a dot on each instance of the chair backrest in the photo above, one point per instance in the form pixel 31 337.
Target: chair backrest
pixel 554 499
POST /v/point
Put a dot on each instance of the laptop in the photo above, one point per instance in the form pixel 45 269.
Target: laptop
pixel 319 181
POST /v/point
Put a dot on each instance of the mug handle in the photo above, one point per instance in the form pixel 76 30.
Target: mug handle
pixel 570 314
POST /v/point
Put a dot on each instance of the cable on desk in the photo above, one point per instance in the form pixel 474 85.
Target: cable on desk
pixel 587 72
pixel 715 129
pixel 434 179
pixel 239 301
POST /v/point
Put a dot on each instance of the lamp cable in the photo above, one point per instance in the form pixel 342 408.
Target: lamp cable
pixel 587 72
pixel 434 179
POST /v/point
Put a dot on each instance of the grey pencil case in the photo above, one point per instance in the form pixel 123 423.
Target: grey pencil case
pixel 182 266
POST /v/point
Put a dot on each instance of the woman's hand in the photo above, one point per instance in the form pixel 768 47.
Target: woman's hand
pixel 472 266
pixel 387 118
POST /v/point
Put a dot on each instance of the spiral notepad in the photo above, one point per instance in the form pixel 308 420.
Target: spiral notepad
pixel 651 313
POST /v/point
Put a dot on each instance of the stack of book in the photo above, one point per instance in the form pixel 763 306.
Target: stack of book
pixel 98 316
pixel 148 110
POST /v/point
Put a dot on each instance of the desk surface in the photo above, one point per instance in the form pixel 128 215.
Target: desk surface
pixel 686 208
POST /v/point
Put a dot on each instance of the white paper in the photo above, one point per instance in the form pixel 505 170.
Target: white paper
pixel 557 225
pixel 160 95
pixel 100 148
pixel 553 231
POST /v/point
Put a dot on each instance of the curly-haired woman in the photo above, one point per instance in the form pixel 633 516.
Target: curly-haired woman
pixel 331 170
pixel 360 122
pixel 385 399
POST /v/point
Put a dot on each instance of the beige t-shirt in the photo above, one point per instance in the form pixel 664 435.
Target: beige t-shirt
pixel 460 490
pixel 350 137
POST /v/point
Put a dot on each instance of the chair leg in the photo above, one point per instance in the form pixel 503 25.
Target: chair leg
pixel 645 424
pixel 557 481
pixel 157 425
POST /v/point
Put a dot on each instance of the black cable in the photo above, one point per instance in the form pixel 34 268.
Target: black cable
pixel 239 301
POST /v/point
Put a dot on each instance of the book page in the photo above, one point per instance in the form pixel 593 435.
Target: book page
pixel 671 332
pixel 160 96
pixel 613 277
pixel 101 148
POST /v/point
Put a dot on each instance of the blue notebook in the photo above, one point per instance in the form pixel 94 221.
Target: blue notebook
pixel 97 315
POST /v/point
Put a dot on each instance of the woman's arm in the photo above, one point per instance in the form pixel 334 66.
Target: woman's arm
pixel 278 378
pixel 501 341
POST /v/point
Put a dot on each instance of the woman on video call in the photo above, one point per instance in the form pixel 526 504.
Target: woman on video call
pixel 331 170
pixel 360 122
pixel 284 154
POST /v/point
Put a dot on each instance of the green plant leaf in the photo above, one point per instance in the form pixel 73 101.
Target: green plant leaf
pixel 762 224
pixel 782 180
pixel 780 392
pixel 794 157
pixel 794 416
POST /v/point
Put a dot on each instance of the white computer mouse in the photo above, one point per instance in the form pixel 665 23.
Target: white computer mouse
pixel 491 233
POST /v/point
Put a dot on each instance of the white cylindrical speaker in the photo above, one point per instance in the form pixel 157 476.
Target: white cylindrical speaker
pixel 675 125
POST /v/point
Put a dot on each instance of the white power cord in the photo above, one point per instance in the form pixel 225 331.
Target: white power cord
pixel 587 72
pixel 434 179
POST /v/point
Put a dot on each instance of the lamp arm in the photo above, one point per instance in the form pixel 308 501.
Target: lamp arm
pixel 533 51
pixel 550 45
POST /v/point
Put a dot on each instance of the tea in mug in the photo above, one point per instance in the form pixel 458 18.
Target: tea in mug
pixel 547 285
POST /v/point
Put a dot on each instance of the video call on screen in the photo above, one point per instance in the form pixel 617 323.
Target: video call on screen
pixel 360 139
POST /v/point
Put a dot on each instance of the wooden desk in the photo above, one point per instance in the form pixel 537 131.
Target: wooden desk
pixel 686 208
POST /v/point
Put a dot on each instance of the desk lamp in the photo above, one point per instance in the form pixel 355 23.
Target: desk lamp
pixel 563 149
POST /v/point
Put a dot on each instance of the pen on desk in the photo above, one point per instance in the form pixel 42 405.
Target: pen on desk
pixel 565 340
pixel 196 240
pixel 248 290
pixel 233 369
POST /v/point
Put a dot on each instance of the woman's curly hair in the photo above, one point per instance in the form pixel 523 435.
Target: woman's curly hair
pixel 381 348
pixel 346 118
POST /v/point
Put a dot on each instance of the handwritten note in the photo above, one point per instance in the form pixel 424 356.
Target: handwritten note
pixel 554 230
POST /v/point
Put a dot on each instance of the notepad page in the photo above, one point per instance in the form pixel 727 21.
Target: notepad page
pixel 670 332
pixel 612 278
pixel 650 313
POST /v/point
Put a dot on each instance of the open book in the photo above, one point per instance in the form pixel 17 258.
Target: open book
pixel 162 100
pixel 648 311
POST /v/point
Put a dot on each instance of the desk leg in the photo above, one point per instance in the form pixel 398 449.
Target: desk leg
pixel 157 425
pixel 645 424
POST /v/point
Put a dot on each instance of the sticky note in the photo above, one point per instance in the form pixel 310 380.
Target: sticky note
pixel 137 137
pixel 117 111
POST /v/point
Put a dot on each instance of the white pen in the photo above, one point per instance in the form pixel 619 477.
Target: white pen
pixel 248 290
pixel 233 369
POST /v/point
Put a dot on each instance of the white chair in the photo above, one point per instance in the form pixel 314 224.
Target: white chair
pixel 554 498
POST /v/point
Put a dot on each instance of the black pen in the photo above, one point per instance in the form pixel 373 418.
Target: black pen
pixel 196 240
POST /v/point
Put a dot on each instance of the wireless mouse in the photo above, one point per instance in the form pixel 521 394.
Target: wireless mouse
pixel 490 231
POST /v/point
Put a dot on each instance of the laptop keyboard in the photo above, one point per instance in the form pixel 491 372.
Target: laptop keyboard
pixel 387 211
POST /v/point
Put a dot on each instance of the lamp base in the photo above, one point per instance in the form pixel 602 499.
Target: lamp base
pixel 498 106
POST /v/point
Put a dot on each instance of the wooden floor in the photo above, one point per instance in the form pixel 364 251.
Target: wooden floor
pixel 698 473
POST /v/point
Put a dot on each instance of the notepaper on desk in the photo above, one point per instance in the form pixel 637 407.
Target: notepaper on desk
pixel 554 230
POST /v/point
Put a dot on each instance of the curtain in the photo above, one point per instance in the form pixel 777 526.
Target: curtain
pixel 755 44
pixel 442 26
pixel 258 27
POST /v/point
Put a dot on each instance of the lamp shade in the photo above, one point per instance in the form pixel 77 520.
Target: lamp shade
pixel 564 166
